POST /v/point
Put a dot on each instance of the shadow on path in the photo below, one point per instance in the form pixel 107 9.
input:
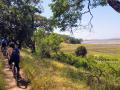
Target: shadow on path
pixel 23 83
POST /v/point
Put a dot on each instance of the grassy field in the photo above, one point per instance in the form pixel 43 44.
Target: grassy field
pixel 107 60
pixel 107 50
pixel 99 71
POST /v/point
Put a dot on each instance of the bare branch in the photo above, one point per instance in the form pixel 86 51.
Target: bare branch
pixel 89 25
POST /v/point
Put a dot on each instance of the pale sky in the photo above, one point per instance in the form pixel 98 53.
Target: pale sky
pixel 105 23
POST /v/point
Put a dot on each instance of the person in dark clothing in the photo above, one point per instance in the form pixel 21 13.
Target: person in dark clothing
pixel 3 44
pixel 15 58
pixel 9 53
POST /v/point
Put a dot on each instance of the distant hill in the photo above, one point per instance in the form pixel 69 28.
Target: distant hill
pixel 102 41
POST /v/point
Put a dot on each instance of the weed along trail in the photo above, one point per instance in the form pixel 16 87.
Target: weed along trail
pixel 11 83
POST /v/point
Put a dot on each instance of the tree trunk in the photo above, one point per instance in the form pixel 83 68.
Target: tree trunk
pixel 115 4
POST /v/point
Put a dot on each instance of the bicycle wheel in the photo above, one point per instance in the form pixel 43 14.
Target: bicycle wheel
pixel 14 70
pixel 4 51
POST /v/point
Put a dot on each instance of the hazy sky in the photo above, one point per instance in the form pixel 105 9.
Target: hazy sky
pixel 106 23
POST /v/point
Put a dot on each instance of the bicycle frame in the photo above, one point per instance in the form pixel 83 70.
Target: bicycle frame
pixel 14 70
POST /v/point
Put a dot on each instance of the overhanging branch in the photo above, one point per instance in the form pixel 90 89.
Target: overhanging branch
pixel 89 25
pixel 115 4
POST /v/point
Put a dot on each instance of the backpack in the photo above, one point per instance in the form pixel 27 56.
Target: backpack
pixel 15 54
pixel 4 42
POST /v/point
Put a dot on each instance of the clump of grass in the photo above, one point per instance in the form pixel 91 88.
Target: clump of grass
pixel 2 81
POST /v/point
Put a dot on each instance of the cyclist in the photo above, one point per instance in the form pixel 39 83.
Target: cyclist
pixel 14 57
pixel 4 46
pixel 9 53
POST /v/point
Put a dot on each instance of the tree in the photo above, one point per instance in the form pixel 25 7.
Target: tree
pixel 46 42
pixel 17 18
pixel 43 22
pixel 70 13
pixel 81 51
pixel 71 40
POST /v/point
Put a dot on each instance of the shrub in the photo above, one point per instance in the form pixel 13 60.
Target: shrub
pixel 46 43
pixel 73 40
pixel 45 52
pixel 81 51
pixel 72 60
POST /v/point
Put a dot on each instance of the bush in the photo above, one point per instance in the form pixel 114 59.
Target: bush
pixel 72 60
pixel 81 51
pixel 46 43
pixel 45 52
pixel 73 40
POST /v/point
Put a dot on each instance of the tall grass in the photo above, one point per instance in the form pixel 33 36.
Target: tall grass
pixel 2 81
pixel 99 69
pixel 97 72
pixel 48 74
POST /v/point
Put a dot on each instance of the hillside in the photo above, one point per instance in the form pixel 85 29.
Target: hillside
pixel 64 71
pixel 48 74
pixel 99 71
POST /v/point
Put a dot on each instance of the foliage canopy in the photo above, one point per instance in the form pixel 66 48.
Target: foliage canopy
pixel 68 13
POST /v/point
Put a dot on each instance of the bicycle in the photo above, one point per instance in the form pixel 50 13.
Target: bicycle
pixel 21 82
pixel 15 73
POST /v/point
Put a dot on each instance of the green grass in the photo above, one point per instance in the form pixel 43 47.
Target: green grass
pixel 106 50
pixel 105 58
pixel 2 82
pixel 102 72
pixel 48 74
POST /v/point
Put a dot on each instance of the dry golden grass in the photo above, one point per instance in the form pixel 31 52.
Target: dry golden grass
pixel 105 49
pixel 49 74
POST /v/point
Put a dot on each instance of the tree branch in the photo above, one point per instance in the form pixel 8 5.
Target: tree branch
pixel 89 25
pixel 115 4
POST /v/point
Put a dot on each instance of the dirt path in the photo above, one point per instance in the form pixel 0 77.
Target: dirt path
pixel 10 81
